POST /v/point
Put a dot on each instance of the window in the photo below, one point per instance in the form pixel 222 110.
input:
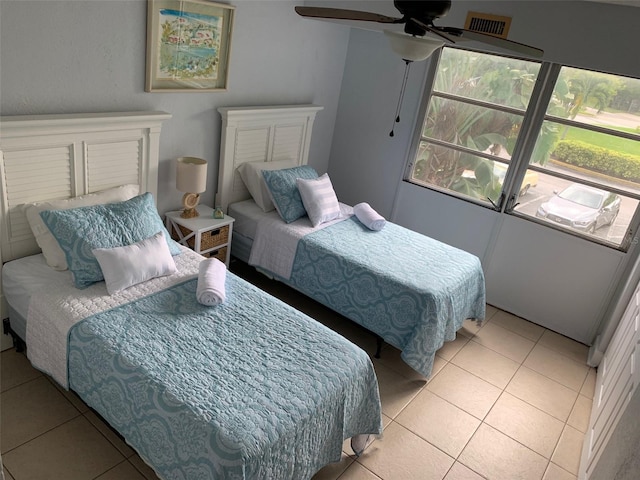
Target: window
pixel 557 145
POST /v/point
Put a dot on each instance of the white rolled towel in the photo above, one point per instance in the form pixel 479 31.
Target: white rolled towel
pixel 212 274
pixel 369 217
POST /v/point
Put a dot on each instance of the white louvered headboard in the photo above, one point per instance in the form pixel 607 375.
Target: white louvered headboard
pixel 48 157
pixel 260 134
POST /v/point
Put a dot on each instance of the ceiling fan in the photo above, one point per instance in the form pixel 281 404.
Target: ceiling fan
pixel 418 17
pixel 413 44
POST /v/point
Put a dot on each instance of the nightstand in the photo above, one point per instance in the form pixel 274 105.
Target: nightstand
pixel 204 234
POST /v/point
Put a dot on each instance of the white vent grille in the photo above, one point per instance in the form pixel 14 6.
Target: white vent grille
pixel 495 25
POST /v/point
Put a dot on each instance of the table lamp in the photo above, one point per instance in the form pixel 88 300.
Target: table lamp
pixel 191 178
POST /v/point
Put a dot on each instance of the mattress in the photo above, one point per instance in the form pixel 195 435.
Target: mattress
pixel 246 215
pixel 21 279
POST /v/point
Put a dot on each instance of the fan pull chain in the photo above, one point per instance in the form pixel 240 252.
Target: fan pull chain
pixel 407 66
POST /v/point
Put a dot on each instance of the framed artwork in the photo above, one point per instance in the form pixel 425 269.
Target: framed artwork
pixel 188 45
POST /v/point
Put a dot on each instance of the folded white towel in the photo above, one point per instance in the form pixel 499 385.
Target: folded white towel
pixel 212 274
pixel 369 217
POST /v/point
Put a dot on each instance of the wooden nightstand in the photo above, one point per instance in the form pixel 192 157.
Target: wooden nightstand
pixel 205 235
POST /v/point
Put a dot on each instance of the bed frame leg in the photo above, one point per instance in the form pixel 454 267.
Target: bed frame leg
pixel 379 343
pixel 18 343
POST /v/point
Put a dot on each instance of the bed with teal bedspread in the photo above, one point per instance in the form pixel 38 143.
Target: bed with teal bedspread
pixel 413 291
pixel 250 389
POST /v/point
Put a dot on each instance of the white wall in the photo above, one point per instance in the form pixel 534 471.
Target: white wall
pixel 367 165
pixel 89 55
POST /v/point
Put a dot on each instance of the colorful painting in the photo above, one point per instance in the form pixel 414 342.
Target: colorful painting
pixel 188 45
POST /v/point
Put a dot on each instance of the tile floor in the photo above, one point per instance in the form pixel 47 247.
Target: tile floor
pixel 506 401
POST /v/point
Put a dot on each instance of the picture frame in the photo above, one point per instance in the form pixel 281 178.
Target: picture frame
pixel 188 45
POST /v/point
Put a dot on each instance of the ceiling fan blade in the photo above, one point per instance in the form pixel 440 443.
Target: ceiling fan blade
pixel 341 14
pixel 431 29
pixel 460 34
pixel 440 34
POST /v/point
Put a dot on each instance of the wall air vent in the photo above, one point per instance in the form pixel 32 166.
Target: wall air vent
pixel 495 25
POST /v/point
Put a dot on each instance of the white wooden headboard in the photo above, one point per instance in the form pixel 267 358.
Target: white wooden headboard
pixel 260 134
pixel 48 157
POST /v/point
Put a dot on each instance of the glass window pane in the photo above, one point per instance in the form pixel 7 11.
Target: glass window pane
pixel 463 173
pixel 595 98
pixel 500 80
pixel 579 208
pixel 475 127
pixel 584 174
pixel 598 157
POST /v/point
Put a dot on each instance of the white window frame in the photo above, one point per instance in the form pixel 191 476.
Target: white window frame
pixel 533 119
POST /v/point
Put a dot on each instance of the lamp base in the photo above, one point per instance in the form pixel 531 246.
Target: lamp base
pixel 189 213
pixel 190 202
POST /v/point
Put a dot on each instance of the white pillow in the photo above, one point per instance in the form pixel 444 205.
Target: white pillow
pixel 319 199
pixel 126 266
pixel 52 252
pixel 251 174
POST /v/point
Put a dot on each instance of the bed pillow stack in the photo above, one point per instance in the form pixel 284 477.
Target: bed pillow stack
pixel 294 191
pixel 80 231
pixel 51 250
pixel 251 174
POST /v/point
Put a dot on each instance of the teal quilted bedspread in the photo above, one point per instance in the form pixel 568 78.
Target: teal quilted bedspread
pixel 250 389
pixel 411 290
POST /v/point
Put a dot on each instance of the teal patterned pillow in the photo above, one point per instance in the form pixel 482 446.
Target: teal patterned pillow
pixel 283 187
pixel 80 230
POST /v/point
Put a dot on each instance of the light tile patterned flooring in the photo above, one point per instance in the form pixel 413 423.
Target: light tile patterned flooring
pixel 506 401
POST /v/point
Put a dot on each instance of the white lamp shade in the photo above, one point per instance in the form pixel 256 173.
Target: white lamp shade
pixel 191 175
pixel 413 49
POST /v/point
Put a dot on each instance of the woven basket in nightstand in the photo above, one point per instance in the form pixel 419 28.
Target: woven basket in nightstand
pixel 210 239
pixel 220 254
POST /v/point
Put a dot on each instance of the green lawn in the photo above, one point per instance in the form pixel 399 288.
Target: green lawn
pixel 620 145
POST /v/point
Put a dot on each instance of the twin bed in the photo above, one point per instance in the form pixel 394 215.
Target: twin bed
pixel 250 388
pixel 411 291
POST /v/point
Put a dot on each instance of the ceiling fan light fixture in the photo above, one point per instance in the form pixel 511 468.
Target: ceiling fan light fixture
pixel 410 48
